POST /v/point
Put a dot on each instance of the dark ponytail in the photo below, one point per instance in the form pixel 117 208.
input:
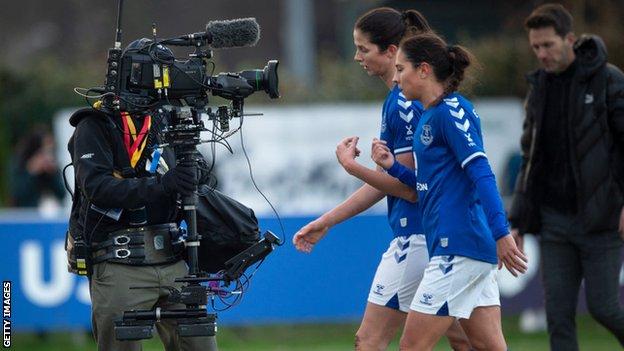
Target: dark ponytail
pixel 459 60
pixel 415 23
pixel 386 26
pixel 449 62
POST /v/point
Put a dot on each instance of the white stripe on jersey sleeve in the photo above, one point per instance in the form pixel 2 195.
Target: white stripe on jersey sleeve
pixel 402 150
pixel 472 157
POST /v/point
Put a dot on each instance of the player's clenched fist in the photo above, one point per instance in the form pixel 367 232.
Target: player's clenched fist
pixel 380 153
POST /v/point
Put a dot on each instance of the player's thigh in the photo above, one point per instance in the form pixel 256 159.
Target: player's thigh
pixel 484 328
pixel 457 337
pixel 422 331
pixel 380 322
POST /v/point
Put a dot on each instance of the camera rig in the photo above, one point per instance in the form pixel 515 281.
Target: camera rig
pixel 146 76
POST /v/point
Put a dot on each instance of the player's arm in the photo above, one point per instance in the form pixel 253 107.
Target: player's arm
pixel 464 139
pixel 384 158
pixel 346 153
pixel 384 182
pixel 480 173
pixel 362 199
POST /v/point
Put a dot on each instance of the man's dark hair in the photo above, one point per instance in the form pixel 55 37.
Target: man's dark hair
pixel 550 15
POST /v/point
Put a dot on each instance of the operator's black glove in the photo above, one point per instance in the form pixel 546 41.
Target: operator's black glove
pixel 181 180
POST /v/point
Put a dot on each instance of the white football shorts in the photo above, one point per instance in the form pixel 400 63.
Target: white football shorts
pixel 399 272
pixel 455 286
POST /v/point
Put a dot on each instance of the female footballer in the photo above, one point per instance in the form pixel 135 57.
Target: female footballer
pixel 376 37
pixel 463 218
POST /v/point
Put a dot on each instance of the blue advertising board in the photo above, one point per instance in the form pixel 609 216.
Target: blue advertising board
pixel 330 284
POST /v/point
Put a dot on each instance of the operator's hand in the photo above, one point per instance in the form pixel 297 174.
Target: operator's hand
pixel 347 151
pixel 509 255
pixel 381 154
pixel 181 179
pixel 309 235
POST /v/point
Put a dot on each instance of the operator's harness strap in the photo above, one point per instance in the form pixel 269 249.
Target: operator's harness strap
pixel 149 245
pixel 135 143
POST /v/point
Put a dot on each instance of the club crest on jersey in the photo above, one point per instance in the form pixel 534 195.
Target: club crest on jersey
pixel 426 137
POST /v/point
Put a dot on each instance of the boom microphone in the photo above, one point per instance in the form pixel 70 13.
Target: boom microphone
pixel 234 33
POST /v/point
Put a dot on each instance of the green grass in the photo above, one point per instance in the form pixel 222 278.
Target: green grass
pixel 318 337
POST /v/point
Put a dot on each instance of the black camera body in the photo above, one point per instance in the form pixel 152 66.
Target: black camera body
pixel 147 73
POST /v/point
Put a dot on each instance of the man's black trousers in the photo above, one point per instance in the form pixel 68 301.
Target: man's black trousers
pixel 569 256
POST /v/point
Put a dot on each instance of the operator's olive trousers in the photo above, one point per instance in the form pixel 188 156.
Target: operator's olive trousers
pixel 111 296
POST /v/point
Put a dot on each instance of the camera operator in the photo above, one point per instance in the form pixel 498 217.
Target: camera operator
pixel 125 209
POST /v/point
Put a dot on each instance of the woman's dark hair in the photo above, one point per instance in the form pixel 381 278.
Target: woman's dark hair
pixel 449 62
pixel 386 26
pixel 550 15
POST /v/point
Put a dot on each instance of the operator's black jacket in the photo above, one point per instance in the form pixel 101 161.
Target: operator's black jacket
pixel 596 130
pixel 105 180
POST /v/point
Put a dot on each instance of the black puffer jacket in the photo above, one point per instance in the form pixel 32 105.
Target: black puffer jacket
pixel 596 130
pixel 105 181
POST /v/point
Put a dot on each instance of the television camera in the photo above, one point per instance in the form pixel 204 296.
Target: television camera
pixel 147 77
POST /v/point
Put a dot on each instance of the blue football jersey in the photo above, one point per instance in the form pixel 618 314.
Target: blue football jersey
pixel 398 124
pixel 448 137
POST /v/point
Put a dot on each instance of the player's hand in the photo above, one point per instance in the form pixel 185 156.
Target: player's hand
pixel 305 239
pixel 519 239
pixel 347 151
pixel 510 256
pixel 381 154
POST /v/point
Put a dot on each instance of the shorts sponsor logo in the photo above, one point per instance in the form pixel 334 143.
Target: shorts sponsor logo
pixel 422 187
pixel 426 299
pixel 378 289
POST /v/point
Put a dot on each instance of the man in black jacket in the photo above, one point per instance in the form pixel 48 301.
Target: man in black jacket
pixel 570 189
pixel 125 210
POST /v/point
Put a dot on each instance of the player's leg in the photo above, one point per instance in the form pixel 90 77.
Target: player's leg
pixel 418 259
pixel 451 287
pixel 396 280
pixel 429 318
pixel 484 329
pixel 378 327
pixel 422 331
pixel 457 338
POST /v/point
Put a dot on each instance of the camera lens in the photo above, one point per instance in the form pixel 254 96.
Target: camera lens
pixel 271 79
pixel 265 79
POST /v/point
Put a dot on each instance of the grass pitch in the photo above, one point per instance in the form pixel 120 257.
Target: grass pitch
pixel 317 337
